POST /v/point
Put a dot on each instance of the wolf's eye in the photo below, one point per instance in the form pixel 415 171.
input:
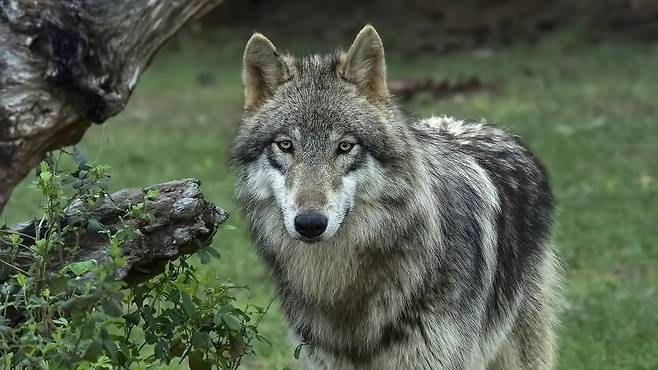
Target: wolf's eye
pixel 284 145
pixel 345 147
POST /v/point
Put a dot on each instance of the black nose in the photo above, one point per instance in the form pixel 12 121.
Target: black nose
pixel 310 224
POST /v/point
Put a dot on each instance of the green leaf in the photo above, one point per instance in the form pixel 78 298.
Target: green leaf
pixel 218 318
pixel 15 239
pixel 152 194
pixel 110 349
pixel 81 268
pixel 174 295
pixel 87 330
pixel 122 359
pixel 103 363
pixel 226 308
pixel 112 308
pixel 150 337
pixel 58 285
pixel 43 167
pixel 213 252
pixel 232 323
pixel 93 351
pixel 132 318
pixel 45 175
pixel 177 317
pixel 204 256
pixel 79 304
pixel 21 279
pixel 139 295
pixel 188 305
pixel 62 321
pixel 200 340
pixel 160 351
pixel 41 246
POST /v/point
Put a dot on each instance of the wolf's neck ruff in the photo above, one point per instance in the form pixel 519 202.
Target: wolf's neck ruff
pixel 395 244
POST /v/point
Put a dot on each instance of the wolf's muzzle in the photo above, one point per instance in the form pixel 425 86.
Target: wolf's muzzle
pixel 311 224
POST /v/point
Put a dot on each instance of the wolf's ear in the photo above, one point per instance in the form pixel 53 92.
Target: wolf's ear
pixel 263 70
pixel 364 64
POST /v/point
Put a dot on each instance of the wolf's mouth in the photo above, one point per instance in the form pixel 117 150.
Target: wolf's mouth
pixel 310 240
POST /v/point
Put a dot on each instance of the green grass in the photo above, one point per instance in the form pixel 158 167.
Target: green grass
pixel 589 112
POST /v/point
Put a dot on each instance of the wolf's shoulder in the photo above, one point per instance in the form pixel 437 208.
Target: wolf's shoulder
pixel 497 149
pixel 475 137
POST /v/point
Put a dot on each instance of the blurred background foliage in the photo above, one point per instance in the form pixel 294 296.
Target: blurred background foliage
pixel 423 26
pixel 576 79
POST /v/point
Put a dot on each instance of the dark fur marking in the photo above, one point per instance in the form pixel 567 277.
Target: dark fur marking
pixel 359 161
pixel 272 160
pixel 523 224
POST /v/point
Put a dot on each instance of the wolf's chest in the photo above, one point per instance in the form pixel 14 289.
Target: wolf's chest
pixel 353 326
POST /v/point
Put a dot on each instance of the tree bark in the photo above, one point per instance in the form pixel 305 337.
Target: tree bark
pixel 67 63
pixel 182 222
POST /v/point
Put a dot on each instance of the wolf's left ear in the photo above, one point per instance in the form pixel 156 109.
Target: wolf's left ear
pixel 364 65
pixel 263 70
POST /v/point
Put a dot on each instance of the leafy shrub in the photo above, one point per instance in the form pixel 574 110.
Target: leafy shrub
pixel 79 317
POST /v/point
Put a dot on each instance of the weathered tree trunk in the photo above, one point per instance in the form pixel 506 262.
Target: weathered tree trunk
pixel 182 222
pixel 67 63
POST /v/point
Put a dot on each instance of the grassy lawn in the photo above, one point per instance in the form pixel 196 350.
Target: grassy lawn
pixel 588 111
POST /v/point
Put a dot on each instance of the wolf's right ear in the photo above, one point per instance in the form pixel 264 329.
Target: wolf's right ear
pixel 263 71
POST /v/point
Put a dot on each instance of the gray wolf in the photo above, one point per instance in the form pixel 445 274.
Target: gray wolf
pixel 395 243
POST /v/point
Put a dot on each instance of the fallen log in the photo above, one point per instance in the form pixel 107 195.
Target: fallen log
pixel 180 222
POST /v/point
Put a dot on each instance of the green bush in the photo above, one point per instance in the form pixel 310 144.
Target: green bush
pixel 80 317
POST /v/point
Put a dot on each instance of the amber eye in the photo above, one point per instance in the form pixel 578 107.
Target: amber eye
pixel 284 145
pixel 345 147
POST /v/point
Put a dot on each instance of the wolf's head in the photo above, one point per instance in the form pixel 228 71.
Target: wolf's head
pixel 320 135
